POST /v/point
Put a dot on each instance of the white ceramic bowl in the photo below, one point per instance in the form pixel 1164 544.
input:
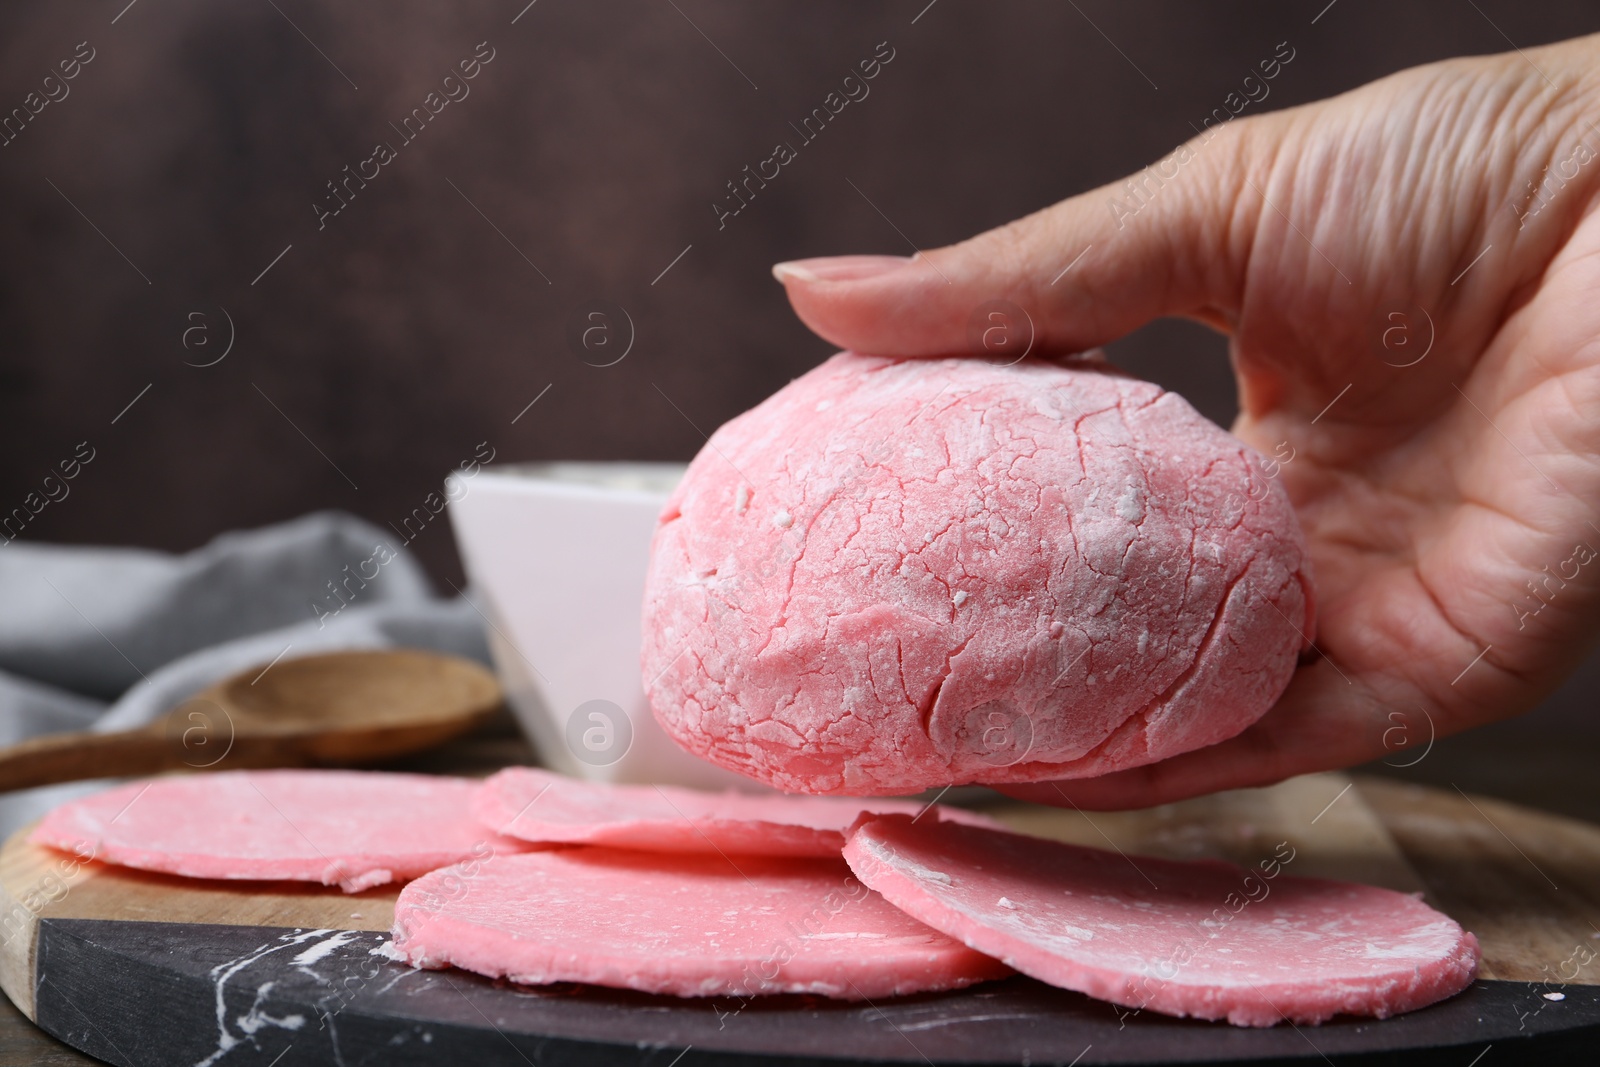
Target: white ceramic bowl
pixel 557 554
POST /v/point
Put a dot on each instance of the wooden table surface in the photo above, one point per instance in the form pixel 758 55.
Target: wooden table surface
pixel 1409 814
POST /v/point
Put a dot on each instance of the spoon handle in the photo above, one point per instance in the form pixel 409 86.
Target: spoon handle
pixel 70 757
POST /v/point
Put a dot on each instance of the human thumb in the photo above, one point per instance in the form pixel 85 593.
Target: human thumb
pixel 1077 274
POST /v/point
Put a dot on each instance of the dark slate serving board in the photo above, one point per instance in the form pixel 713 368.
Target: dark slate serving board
pixel 144 994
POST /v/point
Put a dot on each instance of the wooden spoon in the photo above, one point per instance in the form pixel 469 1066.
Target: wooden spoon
pixel 335 708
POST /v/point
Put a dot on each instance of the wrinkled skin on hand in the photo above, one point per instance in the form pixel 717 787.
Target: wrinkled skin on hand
pixel 1409 275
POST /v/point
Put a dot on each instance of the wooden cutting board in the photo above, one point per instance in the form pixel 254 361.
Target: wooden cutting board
pixel 146 969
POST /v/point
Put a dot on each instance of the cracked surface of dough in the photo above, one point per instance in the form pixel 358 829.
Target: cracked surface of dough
pixel 894 575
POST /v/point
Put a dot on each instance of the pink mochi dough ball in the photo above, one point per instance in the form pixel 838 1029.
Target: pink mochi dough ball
pixel 894 575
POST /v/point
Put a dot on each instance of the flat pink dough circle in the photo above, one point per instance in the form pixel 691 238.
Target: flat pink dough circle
pixel 353 829
pixel 1209 940
pixel 536 805
pixel 688 925
pixel 894 575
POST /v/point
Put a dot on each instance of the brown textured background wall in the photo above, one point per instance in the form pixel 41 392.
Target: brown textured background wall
pixel 381 349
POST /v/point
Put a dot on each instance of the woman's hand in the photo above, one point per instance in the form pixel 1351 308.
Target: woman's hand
pixel 1410 278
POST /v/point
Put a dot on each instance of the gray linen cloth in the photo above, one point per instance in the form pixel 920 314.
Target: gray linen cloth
pixel 110 638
